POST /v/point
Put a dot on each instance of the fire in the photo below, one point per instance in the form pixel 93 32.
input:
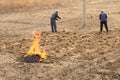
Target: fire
pixel 34 48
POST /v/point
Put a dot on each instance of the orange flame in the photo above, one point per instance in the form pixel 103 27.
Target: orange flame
pixel 34 48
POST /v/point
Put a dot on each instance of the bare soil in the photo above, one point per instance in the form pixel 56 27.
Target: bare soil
pixel 75 52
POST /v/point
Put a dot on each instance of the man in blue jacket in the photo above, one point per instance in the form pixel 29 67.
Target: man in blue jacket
pixel 53 19
pixel 103 20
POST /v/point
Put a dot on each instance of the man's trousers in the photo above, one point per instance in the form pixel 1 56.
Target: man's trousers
pixel 105 24
pixel 53 25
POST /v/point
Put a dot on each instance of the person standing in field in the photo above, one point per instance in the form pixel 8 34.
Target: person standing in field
pixel 53 19
pixel 103 21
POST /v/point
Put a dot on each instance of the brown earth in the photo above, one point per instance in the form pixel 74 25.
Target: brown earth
pixel 75 52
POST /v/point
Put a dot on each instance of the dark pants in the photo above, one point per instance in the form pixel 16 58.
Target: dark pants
pixel 101 26
pixel 53 25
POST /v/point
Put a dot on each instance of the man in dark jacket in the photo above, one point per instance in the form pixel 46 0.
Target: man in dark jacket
pixel 103 20
pixel 53 19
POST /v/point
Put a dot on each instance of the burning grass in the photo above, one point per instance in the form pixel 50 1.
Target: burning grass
pixel 34 50
pixel 25 4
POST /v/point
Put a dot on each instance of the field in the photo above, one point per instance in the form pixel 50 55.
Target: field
pixel 75 52
pixel 15 5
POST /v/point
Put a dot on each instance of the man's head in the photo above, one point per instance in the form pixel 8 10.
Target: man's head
pixel 102 11
pixel 56 12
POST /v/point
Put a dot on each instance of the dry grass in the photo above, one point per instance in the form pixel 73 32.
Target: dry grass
pixel 26 4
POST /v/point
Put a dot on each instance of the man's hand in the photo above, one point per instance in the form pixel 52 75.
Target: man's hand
pixel 59 17
pixel 56 19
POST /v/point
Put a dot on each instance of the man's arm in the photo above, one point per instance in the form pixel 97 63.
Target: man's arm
pixel 99 16
pixel 106 16
pixel 58 16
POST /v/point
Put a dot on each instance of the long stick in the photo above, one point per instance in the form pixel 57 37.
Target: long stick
pixel 84 12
